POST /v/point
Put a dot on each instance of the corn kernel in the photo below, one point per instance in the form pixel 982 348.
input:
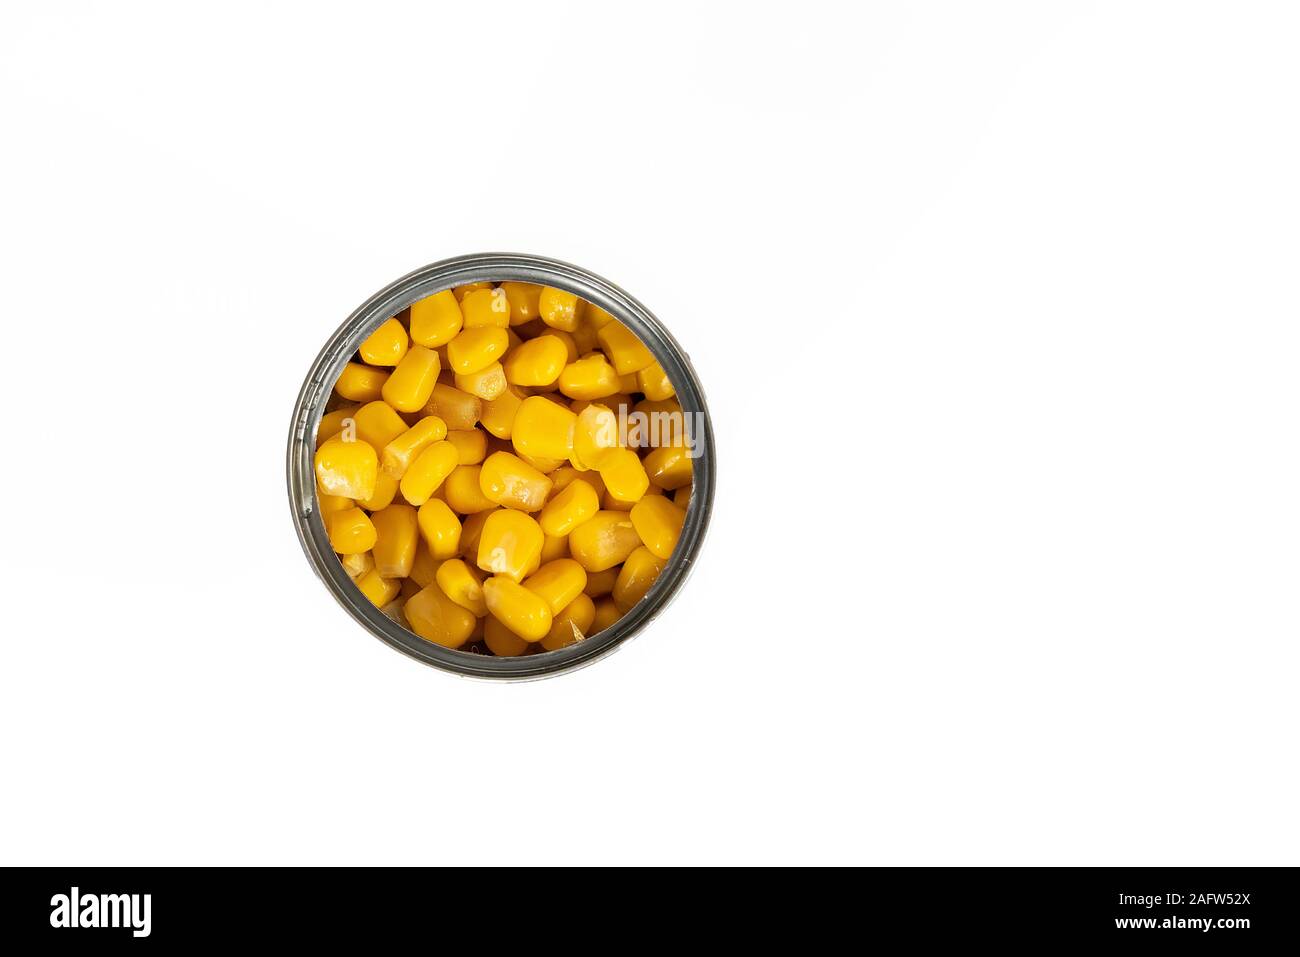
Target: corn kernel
pixel 394 548
pixel 412 382
pixel 350 531
pixel 510 481
pixel 639 572
pixel 537 362
pixel 385 492
pixel 386 345
pixel 399 453
pixel 346 468
pixel 629 383
pixel 553 547
pixel 476 348
pixel 543 465
pixel 435 617
pixel 425 566
pixel 485 308
pixel 682 497
pixel 526 614
pixel 361 383
pixel 378 424
pixel 601 583
pixel 624 349
pixel 331 503
pixel 659 523
pixel 510 544
pixel 499 413
pixel 463 291
pixel 669 466
pixel 486 384
pixel 472 531
pixel 436 319
pixel 563 477
pixel 606 614
pixel 591 377
pixel 654 382
pixel 559 582
pixel 558 309
pixel 570 344
pixel 543 429
pixel 459 410
pixel 595 436
pixel 501 641
pixel 568 509
pixel 603 541
pixel 462 584
pixel 571 625
pixel 596 317
pixel 523 297
pixel 464 492
pixel 471 445
pixel 440 529
pixel 428 471
pixel 624 476
pixel 331 423
pixel 378 589
pixel 358 563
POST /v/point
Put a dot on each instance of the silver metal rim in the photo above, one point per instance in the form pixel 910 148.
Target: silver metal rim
pixel 496 267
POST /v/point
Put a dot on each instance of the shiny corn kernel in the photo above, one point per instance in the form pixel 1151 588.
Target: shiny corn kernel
pixel 510 544
pixel 558 308
pixel 543 429
pixel 555 546
pixel 385 492
pixel 595 436
pixel 378 589
pixel 485 308
pixel 601 583
pixel 346 468
pixel 350 531
pixel 596 317
pixel 624 476
pixel 463 584
pixel 624 349
pixel 472 531
pixel 499 413
pixel 428 471
pixel 591 377
pixel 436 319
pixel 424 567
pixel 537 362
pixel 435 617
pixel 570 345
pixel 654 382
pixel 559 582
pixel 378 423
pixel 603 541
pixel 544 465
pixel 471 445
pixel 386 345
pixel 464 492
pixel 682 497
pixel 523 612
pixel 639 572
pixel 606 614
pixel 563 477
pixel 568 509
pixel 463 291
pixel 401 451
pixel 412 382
pixel 331 503
pixel 523 297
pixel 510 481
pixel 659 523
pixel 459 410
pixel 501 641
pixel 486 384
pixel 361 383
pixel 357 564
pixel 440 529
pixel 669 466
pixel 331 423
pixel 394 548
pixel 571 625
pixel 477 348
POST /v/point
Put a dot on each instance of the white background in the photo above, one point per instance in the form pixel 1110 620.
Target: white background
pixel 996 307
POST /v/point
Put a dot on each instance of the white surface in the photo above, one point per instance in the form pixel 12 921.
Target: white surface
pixel 997 312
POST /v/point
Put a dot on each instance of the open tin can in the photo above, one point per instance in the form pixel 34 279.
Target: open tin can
pixel 497 267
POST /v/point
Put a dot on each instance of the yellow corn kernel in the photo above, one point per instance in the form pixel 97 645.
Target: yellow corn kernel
pixel 624 476
pixel 472 531
pixel 463 291
pixel 608 501
pixel 463 584
pixel 654 382
pixel 331 423
pixel 625 350
pixel 471 445
pixel 428 471
pixel 424 567
pixel 596 317
pixel 378 589
pixel 440 529
pixel 567 510
pixel 486 384
pixel 603 541
pixel 385 492
pixel 543 429
pixel 464 491
pixel 436 319
pixel 435 617
pixel 476 349
pixel 559 582
pixel 412 382
pixel 606 614
pixel 639 572
pixel 346 468
pixel 682 497
pixel 399 453
pixel 378 424
pixel 571 624
pixel 595 436
pixel 523 298
pixel 361 383
pixel 669 466
pixel 570 344
pixel 543 465
pixel 357 564
pixel 601 583
pixel 386 345
pixel 459 410
pixel 510 481
pixel 331 503
pixel 350 531
pixel 501 641
pixel 526 614
pixel 499 413
pixel 629 383
pixel 554 546
pixel 485 308
pixel 537 362
pixel 558 309
pixel 398 535
pixel 584 339
pixel 563 477
pixel 510 544
pixel 658 522
pixel 591 377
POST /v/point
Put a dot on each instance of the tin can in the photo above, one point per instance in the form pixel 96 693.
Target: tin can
pixel 497 267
